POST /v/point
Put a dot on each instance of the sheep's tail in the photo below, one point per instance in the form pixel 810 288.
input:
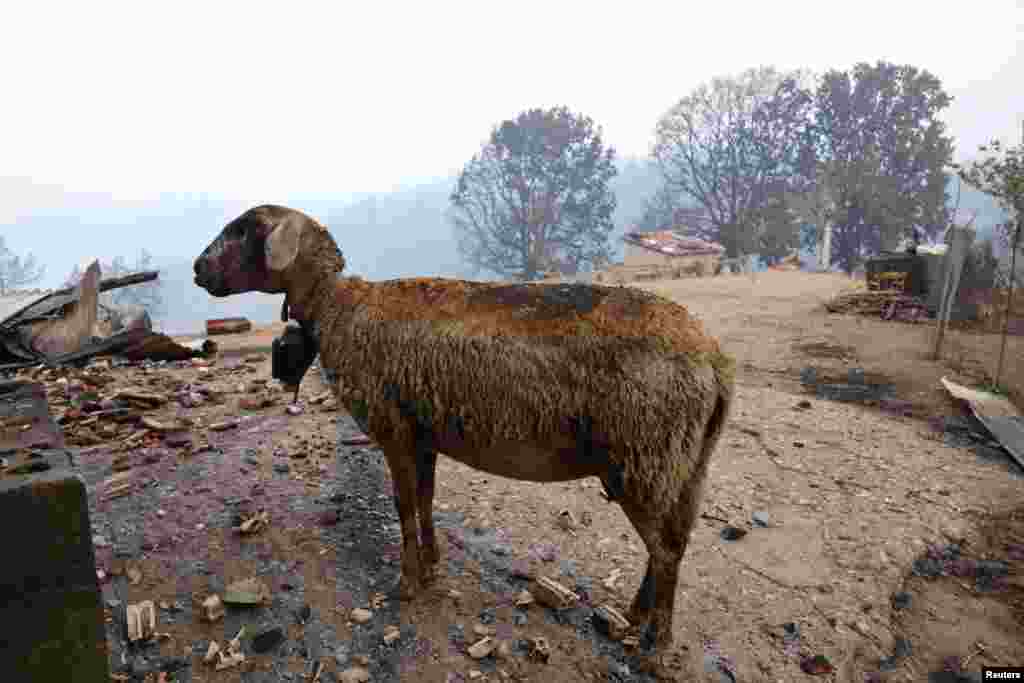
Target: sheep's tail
pixel 716 424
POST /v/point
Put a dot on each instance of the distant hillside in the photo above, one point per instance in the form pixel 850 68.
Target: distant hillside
pixel 399 234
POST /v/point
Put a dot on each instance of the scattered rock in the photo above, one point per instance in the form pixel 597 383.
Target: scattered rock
pixel 134 576
pixel 140 620
pixel 268 640
pixel 540 649
pixel 329 517
pixel 482 648
pixel 246 592
pixel 355 674
pixel 213 608
pixel 760 519
pixel 523 599
pixel 391 634
pixel 610 622
pixel 254 523
pixel 550 593
pixel 818 665
pixel 611 581
pixel 546 552
pixel 178 439
pixel 731 533
pixel 566 520
pixel 360 615
pixel 320 398
pixel 483 630
pixel 211 652
pixel 955 531
pixel 901 600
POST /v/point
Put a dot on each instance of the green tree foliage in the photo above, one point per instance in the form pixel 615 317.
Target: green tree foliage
pixel 980 266
pixel 536 196
pixel 1001 175
pixel 17 272
pixel 735 147
pixel 659 212
pixel 877 128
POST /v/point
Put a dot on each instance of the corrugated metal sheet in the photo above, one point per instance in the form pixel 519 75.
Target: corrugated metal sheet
pixel 672 243
pixel 14 301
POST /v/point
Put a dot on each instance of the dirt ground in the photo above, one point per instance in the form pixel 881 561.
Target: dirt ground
pixel 889 550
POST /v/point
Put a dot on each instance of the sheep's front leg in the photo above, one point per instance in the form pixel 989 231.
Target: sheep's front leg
pixel 402 463
pixel 426 463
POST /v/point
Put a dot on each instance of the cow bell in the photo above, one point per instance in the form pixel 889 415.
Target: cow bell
pixel 291 354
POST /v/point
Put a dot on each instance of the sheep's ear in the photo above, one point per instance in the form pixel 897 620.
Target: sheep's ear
pixel 282 244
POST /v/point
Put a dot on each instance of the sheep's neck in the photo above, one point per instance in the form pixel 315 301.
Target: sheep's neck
pixel 306 304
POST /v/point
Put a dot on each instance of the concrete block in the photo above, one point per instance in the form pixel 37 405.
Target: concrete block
pixel 51 623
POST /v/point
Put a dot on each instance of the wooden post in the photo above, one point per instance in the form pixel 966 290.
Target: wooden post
pixel 959 242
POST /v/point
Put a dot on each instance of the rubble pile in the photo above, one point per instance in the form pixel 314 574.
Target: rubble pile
pixel 888 304
pixel 132 407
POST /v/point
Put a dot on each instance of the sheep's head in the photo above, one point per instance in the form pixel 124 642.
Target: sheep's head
pixel 270 249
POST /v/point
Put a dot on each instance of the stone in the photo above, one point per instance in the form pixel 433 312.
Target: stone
pixel 53 623
pixel 267 640
pixel 247 592
pixel 550 593
pixel 360 615
pixel 355 674
pixel 610 622
pixel 482 648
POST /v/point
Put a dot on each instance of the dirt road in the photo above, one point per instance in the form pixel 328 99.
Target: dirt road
pixel 852 497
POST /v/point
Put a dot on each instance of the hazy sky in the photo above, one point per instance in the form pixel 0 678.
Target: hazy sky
pixel 260 100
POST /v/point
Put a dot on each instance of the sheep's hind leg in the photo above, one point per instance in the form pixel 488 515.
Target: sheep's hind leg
pixel 656 597
pixel 643 603
pixel 402 464
pixel 426 463
pixel 666 539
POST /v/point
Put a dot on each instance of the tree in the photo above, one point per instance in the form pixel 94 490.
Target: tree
pixel 735 147
pixel 815 210
pixel 15 271
pixel 148 295
pixel 1001 175
pixel 877 127
pixel 659 211
pixel 536 195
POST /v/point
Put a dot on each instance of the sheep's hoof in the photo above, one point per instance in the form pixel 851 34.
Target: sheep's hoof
pixel 638 616
pixel 664 665
pixel 429 556
pixel 428 570
pixel 408 588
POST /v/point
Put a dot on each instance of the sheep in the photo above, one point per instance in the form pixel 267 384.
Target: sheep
pixel 537 382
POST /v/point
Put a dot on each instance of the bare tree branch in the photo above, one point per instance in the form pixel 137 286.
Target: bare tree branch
pixel 15 271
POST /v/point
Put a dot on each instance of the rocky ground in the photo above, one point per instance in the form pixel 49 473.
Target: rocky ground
pixel 876 539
